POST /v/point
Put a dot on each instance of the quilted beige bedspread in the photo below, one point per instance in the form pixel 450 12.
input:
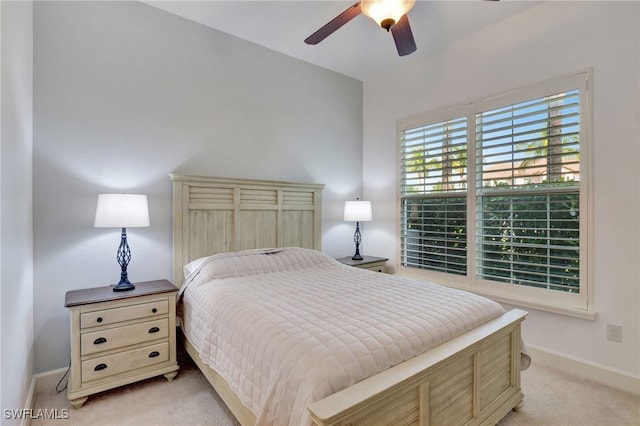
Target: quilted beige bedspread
pixel 286 327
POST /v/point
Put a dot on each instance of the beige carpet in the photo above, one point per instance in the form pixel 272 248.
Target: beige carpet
pixel 551 398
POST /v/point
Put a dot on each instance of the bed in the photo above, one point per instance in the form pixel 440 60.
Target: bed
pixel 260 236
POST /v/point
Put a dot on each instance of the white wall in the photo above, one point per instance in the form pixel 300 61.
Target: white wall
pixel 125 94
pixel 547 41
pixel 16 248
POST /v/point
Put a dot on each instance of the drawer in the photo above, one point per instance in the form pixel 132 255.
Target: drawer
pixel 117 337
pixel 377 268
pixel 125 313
pixel 121 362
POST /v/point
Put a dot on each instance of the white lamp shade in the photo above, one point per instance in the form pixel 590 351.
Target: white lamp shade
pixel 379 10
pixel 357 211
pixel 121 211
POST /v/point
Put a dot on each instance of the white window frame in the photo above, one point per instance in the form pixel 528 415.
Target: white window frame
pixel 574 304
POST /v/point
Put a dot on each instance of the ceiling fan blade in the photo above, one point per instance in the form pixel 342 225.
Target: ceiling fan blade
pixel 334 24
pixel 403 36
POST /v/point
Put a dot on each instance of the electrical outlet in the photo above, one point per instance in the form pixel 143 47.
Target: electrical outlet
pixel 614 332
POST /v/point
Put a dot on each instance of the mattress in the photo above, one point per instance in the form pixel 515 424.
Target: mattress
pixel 287 327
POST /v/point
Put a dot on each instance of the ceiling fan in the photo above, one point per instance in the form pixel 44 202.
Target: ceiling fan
pixel 389 14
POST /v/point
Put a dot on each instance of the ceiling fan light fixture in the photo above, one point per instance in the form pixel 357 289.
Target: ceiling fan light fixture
pixel 386 12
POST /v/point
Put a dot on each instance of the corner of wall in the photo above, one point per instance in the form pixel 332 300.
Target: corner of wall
pixel 16 207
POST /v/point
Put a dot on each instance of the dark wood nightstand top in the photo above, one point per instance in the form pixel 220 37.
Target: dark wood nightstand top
pixel 106 293
pixel 365 260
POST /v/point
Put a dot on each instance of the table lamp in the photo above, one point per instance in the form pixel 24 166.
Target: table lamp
pixel 357 211
pixel 122 211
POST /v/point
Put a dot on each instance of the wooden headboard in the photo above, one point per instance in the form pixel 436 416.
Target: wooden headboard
pixel 215 215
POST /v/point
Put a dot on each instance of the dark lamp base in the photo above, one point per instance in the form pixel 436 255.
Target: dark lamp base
pixel 123 286
pixel 357 237
pixel 124 256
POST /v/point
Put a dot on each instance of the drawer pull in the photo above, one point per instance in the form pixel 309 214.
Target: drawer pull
pixel 154 354
pixel 154 310
pixel 100 367
pixel 99 319
pixel 153 330
pixel 100 340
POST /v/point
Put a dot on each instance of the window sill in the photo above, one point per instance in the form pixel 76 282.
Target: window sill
pixel 517 301
pixel 560 310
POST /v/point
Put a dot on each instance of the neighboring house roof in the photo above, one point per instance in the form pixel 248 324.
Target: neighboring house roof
pixel 530 171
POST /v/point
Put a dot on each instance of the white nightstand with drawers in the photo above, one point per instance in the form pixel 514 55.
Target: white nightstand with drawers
pixel 368 262
pixel 119 338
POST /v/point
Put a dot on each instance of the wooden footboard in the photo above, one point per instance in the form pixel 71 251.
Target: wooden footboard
pixel 473 379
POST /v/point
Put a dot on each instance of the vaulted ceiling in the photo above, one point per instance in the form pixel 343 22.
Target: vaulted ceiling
pixel 360 49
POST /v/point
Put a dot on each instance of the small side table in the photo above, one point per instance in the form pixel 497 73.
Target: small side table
pixel 119 338
pixel 368 262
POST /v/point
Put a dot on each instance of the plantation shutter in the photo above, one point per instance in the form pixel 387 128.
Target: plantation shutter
pixel 433 186
pixel 528 193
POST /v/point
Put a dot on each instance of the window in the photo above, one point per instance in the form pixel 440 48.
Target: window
pixel 493 195
pixel 434 186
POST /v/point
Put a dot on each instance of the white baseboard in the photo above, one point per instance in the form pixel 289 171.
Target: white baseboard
pixel 41 382
pixel 596 373
pixel 29 403
pixel 49 379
